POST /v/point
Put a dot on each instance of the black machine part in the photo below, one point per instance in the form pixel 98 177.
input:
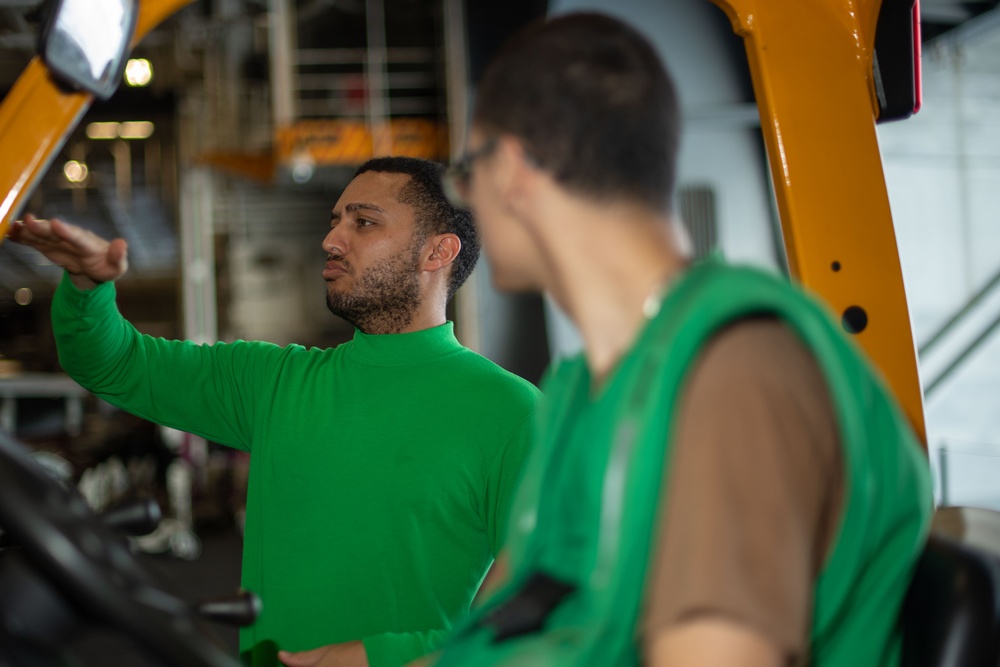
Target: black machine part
pixel 70 568
pixel 896 63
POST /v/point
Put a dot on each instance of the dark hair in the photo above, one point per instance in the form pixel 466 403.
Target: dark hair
pixel 593 104
pixel 434 213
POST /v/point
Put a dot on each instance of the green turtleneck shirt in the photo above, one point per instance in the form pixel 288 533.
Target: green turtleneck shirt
pixel 380 470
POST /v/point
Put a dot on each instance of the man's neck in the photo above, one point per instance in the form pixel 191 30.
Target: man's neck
pixel 431 311
pixel 427 312
pixel 425 320
pixel 393 323
pixel 604 266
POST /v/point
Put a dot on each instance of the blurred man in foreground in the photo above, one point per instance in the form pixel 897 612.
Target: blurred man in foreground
pixel 721 479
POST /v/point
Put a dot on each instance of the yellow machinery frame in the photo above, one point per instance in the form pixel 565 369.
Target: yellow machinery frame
pixel 811 65
pixel 37 115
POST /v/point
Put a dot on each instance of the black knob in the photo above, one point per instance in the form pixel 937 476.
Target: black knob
pixel 241 609
pixel 136 517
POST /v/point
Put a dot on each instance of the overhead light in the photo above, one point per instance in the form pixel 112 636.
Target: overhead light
pixel 303 166
pixel 102 130
pixel 136 129
pixel 130 129
pixel 138 72
pixel 75 172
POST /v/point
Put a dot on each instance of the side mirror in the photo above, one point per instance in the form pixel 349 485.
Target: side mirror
pixel 85 43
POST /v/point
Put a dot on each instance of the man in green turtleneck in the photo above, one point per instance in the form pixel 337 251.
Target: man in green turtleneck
pixel 381 470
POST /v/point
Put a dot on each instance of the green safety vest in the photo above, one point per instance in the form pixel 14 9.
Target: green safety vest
pixel 587 505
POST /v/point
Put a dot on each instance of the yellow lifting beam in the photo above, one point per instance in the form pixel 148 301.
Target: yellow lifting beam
pixel 811 64
pixel 37 115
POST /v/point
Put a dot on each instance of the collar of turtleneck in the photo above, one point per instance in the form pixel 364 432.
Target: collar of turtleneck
pixel 403 349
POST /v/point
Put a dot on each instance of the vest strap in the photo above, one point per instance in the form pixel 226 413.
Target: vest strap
pixel 525 613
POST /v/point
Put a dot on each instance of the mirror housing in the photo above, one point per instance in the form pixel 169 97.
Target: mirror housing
pixel 85 43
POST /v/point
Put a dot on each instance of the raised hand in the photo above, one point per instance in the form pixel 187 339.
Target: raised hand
pixel 86 256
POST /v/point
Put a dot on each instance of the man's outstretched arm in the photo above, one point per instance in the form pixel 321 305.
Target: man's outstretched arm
pixel 176 383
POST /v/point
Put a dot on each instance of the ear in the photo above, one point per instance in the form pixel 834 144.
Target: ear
pixel 444 249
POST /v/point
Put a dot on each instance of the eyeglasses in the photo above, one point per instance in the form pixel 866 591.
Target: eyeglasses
pixel 456 178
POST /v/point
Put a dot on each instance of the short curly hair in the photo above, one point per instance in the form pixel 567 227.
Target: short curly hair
pixel 435 214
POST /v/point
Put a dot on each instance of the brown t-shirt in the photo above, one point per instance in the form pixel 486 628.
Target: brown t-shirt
pixel 755 490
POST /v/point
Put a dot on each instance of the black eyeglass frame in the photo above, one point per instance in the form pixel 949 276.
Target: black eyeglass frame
pixel 455 179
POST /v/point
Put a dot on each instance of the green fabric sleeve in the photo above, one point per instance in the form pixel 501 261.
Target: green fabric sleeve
pixel 394 649
pixel 501 482
pixel 207 390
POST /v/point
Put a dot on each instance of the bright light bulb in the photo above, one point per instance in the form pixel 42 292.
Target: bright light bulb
pixel 138 72
pixel 75 172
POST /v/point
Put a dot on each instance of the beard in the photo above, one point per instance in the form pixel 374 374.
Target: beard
pixel 384 298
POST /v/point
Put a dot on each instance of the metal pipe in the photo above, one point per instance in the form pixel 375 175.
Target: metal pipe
pixel 375 72
pixel 960 359
pixel 282 55
pixel 957 318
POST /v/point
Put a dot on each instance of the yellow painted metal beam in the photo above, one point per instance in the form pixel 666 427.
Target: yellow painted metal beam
pixel 811 64
pixel 254 166
pixel 37 115
pixel 339 141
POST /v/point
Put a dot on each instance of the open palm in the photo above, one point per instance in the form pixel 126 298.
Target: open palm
pixel 79 251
